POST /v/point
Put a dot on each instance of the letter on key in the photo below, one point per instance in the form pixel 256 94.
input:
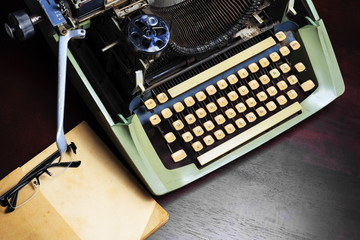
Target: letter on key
pixel 284 51
pixel 178 107
pixel 150 104
pixel 208 140
pixel 295 45
pixel 162 97
pixel 264 62
pixel 211 90
pixel 190 118
pixel 187 137
pixel 280 36
pixel 189 101
pixel 155 119
pixel 166 113
pixel 178 125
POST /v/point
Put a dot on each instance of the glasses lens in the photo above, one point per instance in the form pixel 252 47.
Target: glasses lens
pixel 25 194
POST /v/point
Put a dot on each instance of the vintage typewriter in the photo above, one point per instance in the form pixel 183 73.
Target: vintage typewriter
pixel 183 87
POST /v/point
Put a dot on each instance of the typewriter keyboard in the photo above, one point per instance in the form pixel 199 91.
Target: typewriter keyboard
pixel 228 104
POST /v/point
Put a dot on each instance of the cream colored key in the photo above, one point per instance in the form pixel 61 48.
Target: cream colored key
pixel 232 79
pixel 187 137
pixel 178 107
pixel 220 119
pixel 261 96
pixel 211 107
pixel 197 146
pixel 243 90
pixel 178 125
pixel 264 62
pixel 271 106
pixel 292 79
pixel 230 113
pixel 240 107
pixel 240 123
pixel 253 84
pixel 281 99
pixel 253 67
pixel 208 140
pixel 222 84
pixel 264 79
pixel 200 96
pixel 150 104
pixel 292 94
pixel 271 91
pixel 211 90
pixel 274 57
pixel 282 85
pixel 155 119
pixel 308 85
pixel 198 131
pixel 229 128
pixel 190 118
pixel 166 113
pixel 243 73
pixel 284 51
pixel 162 97
pixel 170 137
pixel 222 102
pixel 179 155
pixel 219 134
pixel 233 96
pixel 300 67
pixel 285 68
pixel 201 113
pixel 295 45
pixel 251 117
pixel 250 102
pixel 189 101
pixel 261 111
pixel 280 36
pixel 275 73
pixel 209 125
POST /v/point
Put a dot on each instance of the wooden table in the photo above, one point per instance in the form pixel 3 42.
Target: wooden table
pixel 304 184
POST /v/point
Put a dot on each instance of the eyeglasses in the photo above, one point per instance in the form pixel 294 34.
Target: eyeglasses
pixel 29 185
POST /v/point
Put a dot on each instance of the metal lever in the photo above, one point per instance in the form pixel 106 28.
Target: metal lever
pixel 290 8
pixel 62 60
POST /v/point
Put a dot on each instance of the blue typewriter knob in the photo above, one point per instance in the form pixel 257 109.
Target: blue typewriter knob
pixel 148 34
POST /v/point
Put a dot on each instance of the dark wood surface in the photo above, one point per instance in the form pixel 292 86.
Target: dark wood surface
pixel 304 184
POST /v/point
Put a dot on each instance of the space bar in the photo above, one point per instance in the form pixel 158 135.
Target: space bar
pixel 249 134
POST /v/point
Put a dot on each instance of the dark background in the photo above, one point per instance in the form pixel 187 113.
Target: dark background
pixel 304 184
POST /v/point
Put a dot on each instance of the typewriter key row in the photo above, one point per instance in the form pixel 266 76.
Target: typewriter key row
pixel 243 73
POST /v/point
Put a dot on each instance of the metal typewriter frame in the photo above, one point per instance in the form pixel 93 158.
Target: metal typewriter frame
pixel 130 138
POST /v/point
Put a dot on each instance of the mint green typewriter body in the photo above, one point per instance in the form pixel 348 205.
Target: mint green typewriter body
pixel 131 139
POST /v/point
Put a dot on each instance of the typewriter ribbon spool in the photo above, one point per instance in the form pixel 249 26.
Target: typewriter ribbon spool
pixel 148 34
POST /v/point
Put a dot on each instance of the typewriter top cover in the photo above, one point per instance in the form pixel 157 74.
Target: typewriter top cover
pixel 183 87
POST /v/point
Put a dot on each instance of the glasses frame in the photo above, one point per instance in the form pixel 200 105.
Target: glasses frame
pixel 9 199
